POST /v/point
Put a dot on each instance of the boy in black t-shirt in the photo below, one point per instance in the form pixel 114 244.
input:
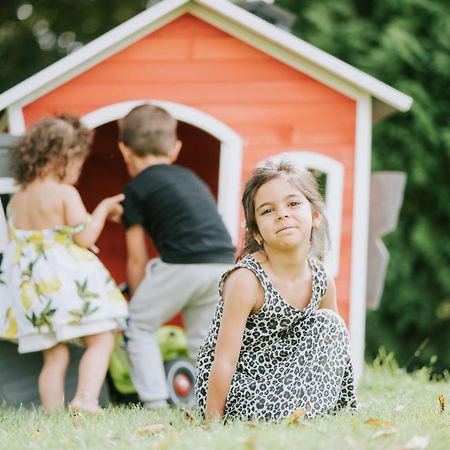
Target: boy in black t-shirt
pixel 176 209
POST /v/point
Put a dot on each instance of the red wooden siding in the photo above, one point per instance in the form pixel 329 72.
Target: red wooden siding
pixel 272 106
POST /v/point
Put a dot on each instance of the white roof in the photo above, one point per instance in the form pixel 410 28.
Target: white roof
pixel 220 13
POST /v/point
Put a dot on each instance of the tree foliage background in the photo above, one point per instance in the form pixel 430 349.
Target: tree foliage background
pixel 406 44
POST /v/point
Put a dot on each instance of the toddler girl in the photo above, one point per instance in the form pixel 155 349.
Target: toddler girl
pixel 53 288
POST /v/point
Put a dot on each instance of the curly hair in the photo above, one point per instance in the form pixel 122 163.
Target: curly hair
pixel 307 185
pixel 45 148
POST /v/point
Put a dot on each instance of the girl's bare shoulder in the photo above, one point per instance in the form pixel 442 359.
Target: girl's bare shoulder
pixel 243 285
pixel 242 277
pixel 68 190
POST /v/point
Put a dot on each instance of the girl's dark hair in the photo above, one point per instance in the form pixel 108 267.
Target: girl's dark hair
pixel 307 185
pixel 46 145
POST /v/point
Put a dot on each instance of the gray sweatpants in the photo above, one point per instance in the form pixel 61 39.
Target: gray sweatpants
pixel 167 289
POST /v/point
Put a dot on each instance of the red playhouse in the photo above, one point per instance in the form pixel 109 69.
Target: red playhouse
pixel 243 91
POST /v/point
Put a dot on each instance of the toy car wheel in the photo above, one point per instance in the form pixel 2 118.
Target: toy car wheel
pixel 180 377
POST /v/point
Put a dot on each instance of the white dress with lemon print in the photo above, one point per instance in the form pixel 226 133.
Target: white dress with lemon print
pixel 53 290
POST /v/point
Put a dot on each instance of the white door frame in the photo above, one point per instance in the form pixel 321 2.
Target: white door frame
pixel 7 186
pixel 230 163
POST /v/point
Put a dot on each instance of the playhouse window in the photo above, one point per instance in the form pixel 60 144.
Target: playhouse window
pixel 321 178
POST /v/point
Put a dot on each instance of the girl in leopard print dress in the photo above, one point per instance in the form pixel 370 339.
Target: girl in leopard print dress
pixel 277 343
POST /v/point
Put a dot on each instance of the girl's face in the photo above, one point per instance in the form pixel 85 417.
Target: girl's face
pixel 283 215
pixel 73 169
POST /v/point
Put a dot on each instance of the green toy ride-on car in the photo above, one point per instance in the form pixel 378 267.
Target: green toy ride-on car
pixel 180 372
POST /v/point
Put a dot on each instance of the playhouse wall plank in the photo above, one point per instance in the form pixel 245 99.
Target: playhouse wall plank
pixel 94 94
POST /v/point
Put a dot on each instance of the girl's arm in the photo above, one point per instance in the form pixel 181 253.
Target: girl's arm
pixel 75 212
pixel 329 299
pixel 242 294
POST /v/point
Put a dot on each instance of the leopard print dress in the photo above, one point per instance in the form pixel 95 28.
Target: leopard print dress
pixel 290 358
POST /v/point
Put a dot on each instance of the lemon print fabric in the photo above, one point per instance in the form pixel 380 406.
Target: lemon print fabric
pixel 52 287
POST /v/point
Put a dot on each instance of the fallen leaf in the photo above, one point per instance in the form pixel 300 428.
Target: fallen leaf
pixel 148 430
pixel 115 437
pixel 253 424
pixel 384 432
pixel 249 443
pixel 379 423
pixel 442 403
pixel 188 416
pixel 76 418
pixel 418 442
pixel 36 435
pixel 350 441
pixel 296 416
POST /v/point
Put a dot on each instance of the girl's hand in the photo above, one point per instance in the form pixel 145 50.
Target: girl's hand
pixel 114 209
pixel 115 214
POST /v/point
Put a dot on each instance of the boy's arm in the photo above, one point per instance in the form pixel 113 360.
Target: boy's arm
pixel 237 308
pixel 137 256
pixel 329 299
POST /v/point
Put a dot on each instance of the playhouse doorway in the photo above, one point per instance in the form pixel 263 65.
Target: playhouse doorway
pixel 104 174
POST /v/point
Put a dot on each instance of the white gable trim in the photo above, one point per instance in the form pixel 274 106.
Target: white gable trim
pixel 230 150
pixel 226 16
pixel 280 53
pixel 16 120
pixel 333 195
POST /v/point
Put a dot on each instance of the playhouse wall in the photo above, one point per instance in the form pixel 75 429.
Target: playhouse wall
pixel 274 107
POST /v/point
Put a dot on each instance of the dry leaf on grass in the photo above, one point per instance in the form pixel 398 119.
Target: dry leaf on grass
pixel 417 442
pixel 248 442
pixel 297 415
pixel 149 430
pixel 379 423
pixel 36 435
pixel 77 418
pixel 188 416
pixel 115 437
pixel 384 432
pixel 399 408
pixel 252 424
pixel 442 403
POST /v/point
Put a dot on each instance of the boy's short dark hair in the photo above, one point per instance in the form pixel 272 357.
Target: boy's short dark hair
pixel 148 129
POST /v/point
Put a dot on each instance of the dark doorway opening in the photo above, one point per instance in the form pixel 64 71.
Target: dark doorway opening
pixel 104 174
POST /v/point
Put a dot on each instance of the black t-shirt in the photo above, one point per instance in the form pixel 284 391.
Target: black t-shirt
pixel 179 213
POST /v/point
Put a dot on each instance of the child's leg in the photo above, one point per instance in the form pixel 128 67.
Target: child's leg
pixel 52 376
pixel 92 371
pixel 198 313
pixel 162 293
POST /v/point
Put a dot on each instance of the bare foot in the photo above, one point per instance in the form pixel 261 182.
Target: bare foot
pixel 85 402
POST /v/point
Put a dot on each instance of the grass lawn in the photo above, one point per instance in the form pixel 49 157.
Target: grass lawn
pixel 396 411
